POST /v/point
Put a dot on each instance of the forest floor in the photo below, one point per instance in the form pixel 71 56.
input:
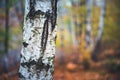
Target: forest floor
pixel 75 71
pixel 68 66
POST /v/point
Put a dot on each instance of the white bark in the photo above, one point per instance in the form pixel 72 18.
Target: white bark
pixel 39 33
pixel 101 23
pixel 100 31
pixel 88 25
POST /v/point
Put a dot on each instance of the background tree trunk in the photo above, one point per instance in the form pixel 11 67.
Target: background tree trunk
pixel 100 31
pixel 6 25
pixel 101 23
pixel 39 34
pixel 88 24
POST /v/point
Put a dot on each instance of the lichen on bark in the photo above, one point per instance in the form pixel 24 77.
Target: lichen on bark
pixel 39 34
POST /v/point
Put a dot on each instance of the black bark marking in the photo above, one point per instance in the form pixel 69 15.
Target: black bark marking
pixel 20 55
pixel 45 31
pixel 30 38
pixel 35 14
pixel 40 66
pixel 32 13
pixel 44 36
pixel 55 38
pixel 28 64
pixel 25 44
pixel 54 13
pixel 20 75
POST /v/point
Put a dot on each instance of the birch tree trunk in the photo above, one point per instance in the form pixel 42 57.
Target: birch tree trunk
pixel 88 27
pixel 101 23
pixel 39 34
pixel 100 31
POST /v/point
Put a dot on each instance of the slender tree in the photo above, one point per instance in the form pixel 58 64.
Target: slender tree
pixel 6 25
pixel 76 5
pixel 88 24
pixel 39 34
pixel 100 30
pixel 101 23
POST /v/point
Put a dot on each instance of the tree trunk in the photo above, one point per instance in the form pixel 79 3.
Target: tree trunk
pixel 88 27
pixel 39 34
pixel 102 16
pixel 100 31
pixel 6 25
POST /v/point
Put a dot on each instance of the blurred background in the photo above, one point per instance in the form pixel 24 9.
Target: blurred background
pixel 88 39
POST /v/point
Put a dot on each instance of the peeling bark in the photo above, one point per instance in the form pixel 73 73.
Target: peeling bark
pixel 39 35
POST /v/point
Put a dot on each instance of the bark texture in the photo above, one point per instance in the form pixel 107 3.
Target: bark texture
pixel 39 34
